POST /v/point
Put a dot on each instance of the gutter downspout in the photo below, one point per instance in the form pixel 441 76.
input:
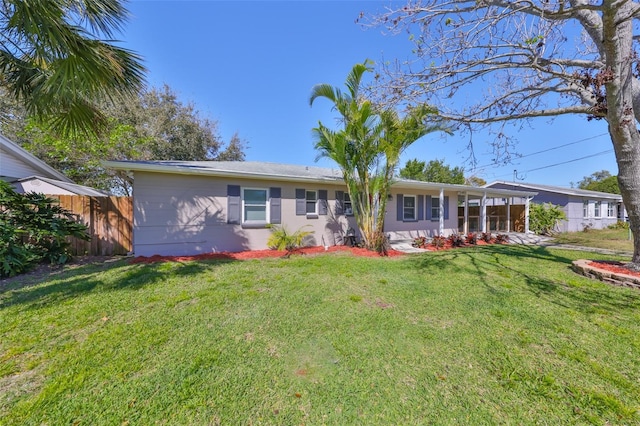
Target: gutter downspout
pixel 526 215
pixel 441 213
pixel 483 212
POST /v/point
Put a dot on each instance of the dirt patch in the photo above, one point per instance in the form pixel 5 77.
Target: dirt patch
pixel 260 254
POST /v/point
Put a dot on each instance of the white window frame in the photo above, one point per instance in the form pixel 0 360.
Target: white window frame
pixel 266 206
pixel 597 209
pixel 307 201
pixel 405 209
pixel 435 208
pixel 585 209
pixel 347 206
pixel 611 209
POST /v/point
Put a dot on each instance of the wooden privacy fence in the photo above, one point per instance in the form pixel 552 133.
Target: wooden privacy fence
pixel 109 221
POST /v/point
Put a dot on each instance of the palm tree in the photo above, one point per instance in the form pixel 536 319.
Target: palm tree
pixel 367 149
pixel 56 59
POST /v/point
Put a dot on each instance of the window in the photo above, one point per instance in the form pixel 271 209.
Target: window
pixel 346 205
pixel 611 210
pixel 311 202
pixel 598 206
pixel 254 205
pixel 585 208
pixel 409 207
pixel 435 208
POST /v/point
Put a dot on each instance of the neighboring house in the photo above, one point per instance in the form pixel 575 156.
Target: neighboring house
pixel 27 173
pixel 184 208
pixel 48 186
pixel 583 208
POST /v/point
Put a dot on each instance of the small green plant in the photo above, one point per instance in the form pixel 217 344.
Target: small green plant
pixel 438 241
pixel 619 225
pixel 544 218
pixel 419 242
pixel 486 237
pixel 456 240
pixel 281 239
pixel 472 238
pixel 502 238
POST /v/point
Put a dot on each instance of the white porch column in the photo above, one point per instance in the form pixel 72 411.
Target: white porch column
pixel 465 226
pixel 441 212
pixel 483 212
pixel 526 215
pixel 508 214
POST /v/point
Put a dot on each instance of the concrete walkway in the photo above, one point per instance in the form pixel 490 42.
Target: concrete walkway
pixel 517 238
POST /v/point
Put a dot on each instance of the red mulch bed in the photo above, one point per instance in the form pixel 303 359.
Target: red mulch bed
pixel 614 266
pixel 260 254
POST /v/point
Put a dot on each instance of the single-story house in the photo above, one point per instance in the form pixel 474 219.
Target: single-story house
pixel 583 208
pixel 27 173
pixel 185 208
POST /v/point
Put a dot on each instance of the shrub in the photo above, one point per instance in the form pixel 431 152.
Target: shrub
pixel 472 238
pixel 419 242
pixel 544 218
pixel 438 241
pixel 34 228
pixel 502 238
pixel 486 237
pixel 619 225
pixel 281 239
pixel 456 240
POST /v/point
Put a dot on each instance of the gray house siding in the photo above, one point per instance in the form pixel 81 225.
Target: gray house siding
pixel 425 225
pixel 186 215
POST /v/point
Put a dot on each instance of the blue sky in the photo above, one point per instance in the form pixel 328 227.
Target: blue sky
pixel 250 65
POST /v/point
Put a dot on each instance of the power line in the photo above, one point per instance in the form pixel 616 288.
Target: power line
pixel 564 162
pixel 547 150
pixel 571 161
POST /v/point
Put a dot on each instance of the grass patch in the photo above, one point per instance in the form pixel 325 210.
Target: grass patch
pixel 484 335
pixel 610 239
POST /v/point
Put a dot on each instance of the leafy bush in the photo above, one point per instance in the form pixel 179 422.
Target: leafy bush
pixel 486 237
pixel 472 238
pixel 281 239
pixel 33 228
pixel 502 238
pixel 544 218
pixel 619 225
pixel 438 241
pixel 419 242
pixel 456 240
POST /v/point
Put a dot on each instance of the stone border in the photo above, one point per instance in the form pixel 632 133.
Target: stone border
pixel 582 267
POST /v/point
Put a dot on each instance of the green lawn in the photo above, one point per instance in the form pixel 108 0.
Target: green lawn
pixel 485 335
pixel 611 239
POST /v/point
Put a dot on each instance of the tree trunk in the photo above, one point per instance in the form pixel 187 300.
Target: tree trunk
pixel 621 116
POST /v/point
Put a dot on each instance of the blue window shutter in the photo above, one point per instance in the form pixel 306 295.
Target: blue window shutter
pixel 420 207
pixel 323 205
pixel 275 212
pixel 301 198
pixel 446 207
pixel 234 209
pixel 400 208
pixel 429 205
pixel 339 209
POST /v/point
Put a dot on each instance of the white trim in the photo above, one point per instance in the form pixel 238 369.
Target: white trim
pixel 415 208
